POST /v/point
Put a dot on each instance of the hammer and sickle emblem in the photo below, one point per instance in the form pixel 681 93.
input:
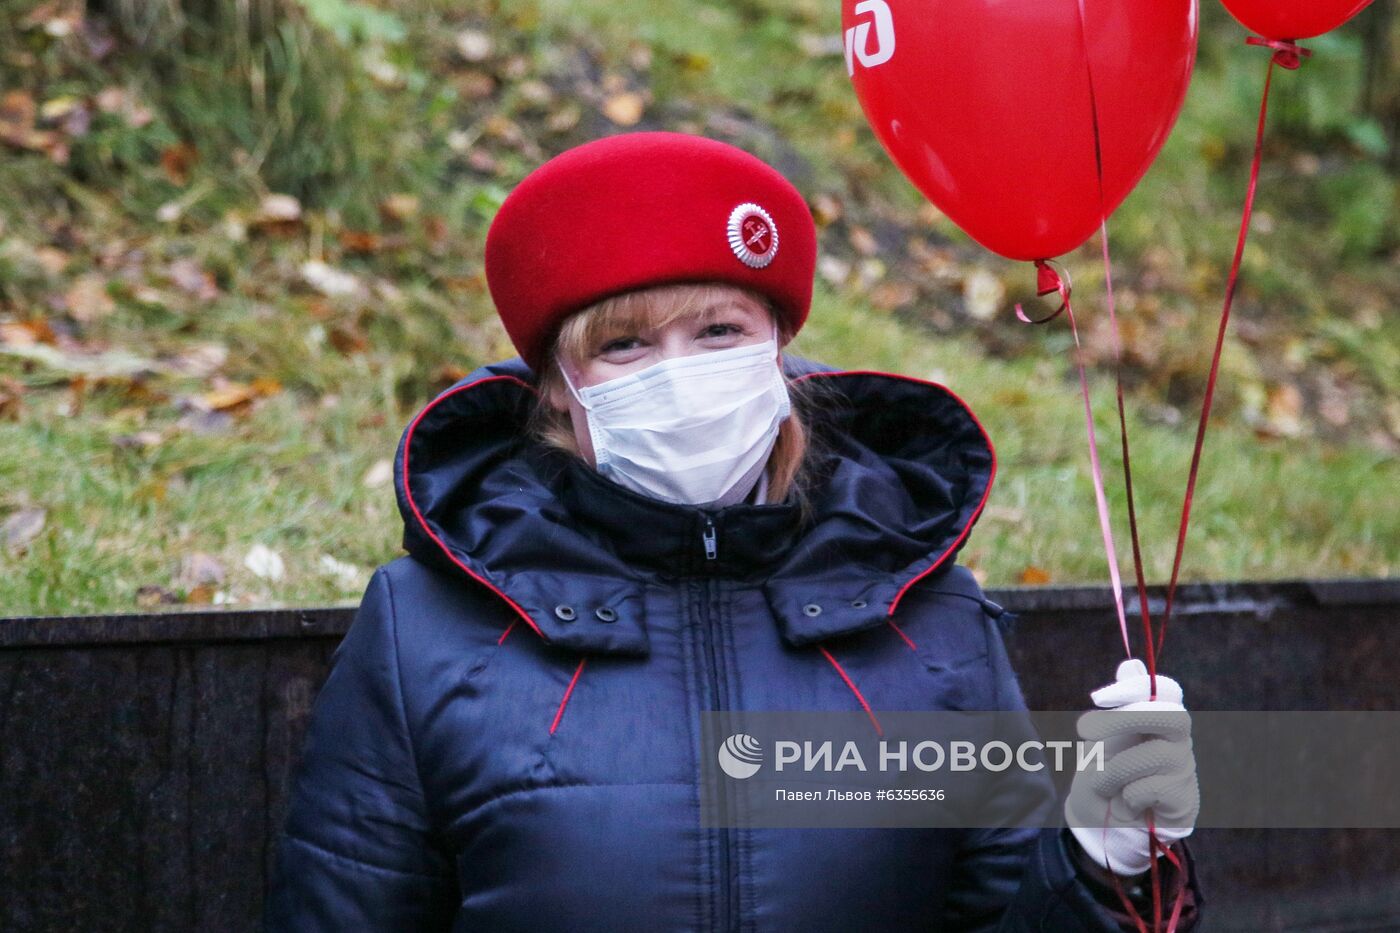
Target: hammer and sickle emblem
pixel 758 233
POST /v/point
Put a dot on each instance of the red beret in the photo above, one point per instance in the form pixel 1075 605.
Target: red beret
pixel 642 209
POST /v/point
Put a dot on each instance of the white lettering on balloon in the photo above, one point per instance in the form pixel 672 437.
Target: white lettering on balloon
pixel 858 36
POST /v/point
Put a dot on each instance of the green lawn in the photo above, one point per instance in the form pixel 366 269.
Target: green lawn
pixel 278 389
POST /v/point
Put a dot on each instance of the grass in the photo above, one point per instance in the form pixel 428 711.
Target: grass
pixel 137 474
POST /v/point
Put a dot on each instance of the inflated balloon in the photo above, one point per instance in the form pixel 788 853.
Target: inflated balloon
pixel 1293 19
pixel 992 108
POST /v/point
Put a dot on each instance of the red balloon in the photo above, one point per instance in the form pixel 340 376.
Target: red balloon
pixel 986 105
pixel 1293 19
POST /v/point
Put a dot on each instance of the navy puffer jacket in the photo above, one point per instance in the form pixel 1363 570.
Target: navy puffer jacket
pixel 508 737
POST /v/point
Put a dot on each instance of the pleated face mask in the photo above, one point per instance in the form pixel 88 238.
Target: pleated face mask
pixel 695 429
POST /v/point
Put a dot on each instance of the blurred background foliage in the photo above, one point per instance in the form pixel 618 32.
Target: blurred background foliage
pixel 240 245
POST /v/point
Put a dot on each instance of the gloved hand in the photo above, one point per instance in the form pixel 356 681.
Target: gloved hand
pixel 1148 763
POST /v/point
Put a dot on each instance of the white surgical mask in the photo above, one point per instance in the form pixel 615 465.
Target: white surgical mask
pixel 694 429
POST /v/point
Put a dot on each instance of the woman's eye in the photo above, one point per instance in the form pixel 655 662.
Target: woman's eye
pixel 720 330
pixel 621 343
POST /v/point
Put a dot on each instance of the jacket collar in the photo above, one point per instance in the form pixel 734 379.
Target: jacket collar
pixel 906 471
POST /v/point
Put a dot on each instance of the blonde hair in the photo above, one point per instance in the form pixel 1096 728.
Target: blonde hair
pixel 659 306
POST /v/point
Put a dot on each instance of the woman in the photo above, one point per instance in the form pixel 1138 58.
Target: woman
pixel 650 513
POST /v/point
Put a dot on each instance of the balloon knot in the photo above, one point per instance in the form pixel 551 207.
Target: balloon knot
pixel 1287 53
pixel 1048 279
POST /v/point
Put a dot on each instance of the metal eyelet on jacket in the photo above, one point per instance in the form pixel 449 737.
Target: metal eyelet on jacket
pixel 812 609
pixel 857 604
pixel 565 612
pixel 605 614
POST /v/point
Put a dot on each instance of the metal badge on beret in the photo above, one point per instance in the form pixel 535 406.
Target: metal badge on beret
pixel 752 235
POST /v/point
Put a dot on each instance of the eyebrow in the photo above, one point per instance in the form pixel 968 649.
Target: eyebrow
pixel 736 304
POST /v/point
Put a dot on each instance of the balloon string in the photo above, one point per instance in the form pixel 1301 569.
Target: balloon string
pixel 1127 459
pixel 1283 55
pixel 1128 466
pixel 1136 539
pixel 1051 280
pixel 1154 848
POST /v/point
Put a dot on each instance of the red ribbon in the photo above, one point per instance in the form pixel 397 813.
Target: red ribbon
pixel 1051 279
pixel 1285 52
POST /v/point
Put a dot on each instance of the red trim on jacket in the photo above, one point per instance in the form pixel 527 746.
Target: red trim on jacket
pixel 854 689
pixel 907 640
pixel 408 493
pixel 991 478
pixel 558 714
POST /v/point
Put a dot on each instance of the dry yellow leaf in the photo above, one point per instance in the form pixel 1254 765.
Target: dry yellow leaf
pixel 624 109
pixel 1035 576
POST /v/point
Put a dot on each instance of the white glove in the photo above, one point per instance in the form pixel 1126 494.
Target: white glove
pixel 1148 762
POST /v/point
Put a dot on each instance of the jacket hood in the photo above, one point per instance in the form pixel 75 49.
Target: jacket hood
pixel 903 471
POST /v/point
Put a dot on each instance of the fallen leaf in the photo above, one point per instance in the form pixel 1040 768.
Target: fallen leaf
pixel 204 422
pixel 347 339
pixel 397 208
pixel 52 260
pixel 436 228
pixel 499 126
pixel 639 56
pixel 379 475
pixel 176 162
pixel 474 46
pixel 201 360
pixel 1035 576
pixel 348 576
pixel 474 85
pixel 265 562
pixel 833 269
pixel 232 395
pixel 22 527
pixel 188 276
pixel 152 595
pixel 106 363
pixel 624 109
pixel 564 118
pixel 18 334
pixel 863 241
pixel 482 161
pixel 199 568
pixel 278 214
pixel 139 440
pixel 327 280
pixel 1283 415
pixel 984 293
pixel 118 101
pixel 888 296
pixel 826 209
pixel 693 62
pixel 17 113
pixel 11 398
pixel 57 18
pixel 535 92
pixel 361 242
pixel 87 298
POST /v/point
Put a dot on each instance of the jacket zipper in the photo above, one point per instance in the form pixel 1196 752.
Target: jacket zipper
pixel 712 654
